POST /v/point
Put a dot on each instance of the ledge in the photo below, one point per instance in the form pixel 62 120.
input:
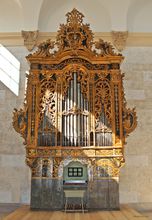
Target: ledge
pixel 133 40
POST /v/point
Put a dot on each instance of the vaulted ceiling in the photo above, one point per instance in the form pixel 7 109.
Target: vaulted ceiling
pixel 103 15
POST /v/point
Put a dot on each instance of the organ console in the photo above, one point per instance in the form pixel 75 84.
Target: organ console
pixel 75 119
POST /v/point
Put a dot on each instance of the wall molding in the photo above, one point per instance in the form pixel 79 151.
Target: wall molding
pixel 133 39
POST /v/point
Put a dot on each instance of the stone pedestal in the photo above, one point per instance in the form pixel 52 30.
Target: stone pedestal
pixel 103 194
pixel 47 194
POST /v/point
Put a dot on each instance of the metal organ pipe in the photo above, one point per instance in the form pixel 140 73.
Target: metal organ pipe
pixel 67 117
pixel 79 125
pixel 71 116
pixel 81 121
pixel 64 121
pixel 75 118
pixel 75 115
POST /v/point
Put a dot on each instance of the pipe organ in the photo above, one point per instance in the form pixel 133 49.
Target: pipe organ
pixel 75 113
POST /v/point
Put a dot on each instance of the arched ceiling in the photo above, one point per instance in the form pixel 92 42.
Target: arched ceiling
pixel 11 16
pixel 103 15
pixel 52 14
pixel 139 16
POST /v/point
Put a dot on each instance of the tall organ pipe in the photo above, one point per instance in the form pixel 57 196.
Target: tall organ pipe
pixel 67 116
pixel 79 125
pixel 75 115
pixel 81 121
pixel 71 116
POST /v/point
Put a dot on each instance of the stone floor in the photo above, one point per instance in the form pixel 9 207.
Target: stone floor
pixel 144 208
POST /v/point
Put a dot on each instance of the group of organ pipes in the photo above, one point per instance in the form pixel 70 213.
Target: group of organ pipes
pixel 75 116
pixel 76 121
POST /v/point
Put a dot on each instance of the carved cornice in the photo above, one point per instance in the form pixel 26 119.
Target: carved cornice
pixel 30 39
pixel 119 39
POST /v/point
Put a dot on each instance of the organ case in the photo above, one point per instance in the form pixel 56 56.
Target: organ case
pixel 75 111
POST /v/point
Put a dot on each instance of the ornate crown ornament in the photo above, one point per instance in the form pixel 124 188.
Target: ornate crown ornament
pixel 74 36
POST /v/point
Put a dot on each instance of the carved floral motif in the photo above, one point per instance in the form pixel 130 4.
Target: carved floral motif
pixel 30 39
pixel 130 120
pixel 103 97
pixel 20 122
pixel 119 39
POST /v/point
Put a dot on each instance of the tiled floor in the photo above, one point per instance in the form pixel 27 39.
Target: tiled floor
pixel 144 208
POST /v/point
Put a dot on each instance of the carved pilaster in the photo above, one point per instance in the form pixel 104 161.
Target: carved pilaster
pixel 119 39
pixel 30 39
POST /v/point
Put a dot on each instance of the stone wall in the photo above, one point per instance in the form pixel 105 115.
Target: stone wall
pixel 14 174
pixel 135 178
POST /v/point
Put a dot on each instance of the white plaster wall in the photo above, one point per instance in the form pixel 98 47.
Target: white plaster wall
pixel 11 16
pixel 139 16
pixel 52 14
pixel 103 15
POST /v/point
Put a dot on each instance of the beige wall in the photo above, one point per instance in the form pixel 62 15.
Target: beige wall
pixel 135 178
pixel 14 174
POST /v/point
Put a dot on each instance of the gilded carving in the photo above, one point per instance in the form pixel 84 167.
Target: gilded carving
pixel 130 120
pixel 44 153
pixel 103 98
pixel 66 77
pixel 20 122
pixel 74 34
pixel 104 152
pixel 103 48
pixel 47 98
pixel 106 168
pixel 56 164
pixel 31 152
pixel 29 161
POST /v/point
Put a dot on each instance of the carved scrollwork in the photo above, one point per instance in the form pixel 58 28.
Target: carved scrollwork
pixel 74 34
pixel 83 79
pixel 106 168
pixel 129 121
pixel 103 48
pixel 66 77
pixel 56 164
pixel 31 152
pixel 118 162
pixel 20 122
pixel 45 49
pixel 103 98
pixel 30 161
pixel 47 98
